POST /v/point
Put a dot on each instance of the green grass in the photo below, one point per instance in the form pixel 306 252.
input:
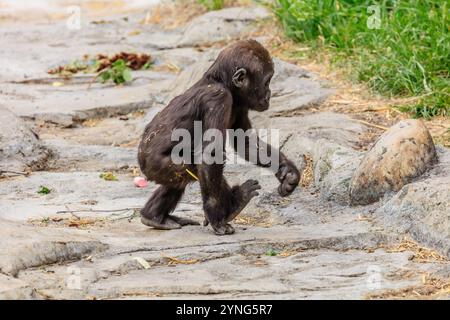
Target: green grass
pixel 406 55
pixel 44 190
pixel 212 4
pixel 271 252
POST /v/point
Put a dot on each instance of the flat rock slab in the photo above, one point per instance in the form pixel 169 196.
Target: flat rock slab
pixel 111 132
pixel 67 105
pixel 27 88
pixel 69 191
pixel 79 157
pixel 308 264
pixel 32 49
pixel 301 276
pixel 84 239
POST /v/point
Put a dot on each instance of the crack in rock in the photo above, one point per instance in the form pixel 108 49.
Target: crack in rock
pixel 45 253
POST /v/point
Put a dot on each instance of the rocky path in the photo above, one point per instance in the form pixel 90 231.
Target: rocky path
pixel 84 239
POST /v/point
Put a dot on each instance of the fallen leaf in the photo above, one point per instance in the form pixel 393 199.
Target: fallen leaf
pixel 142 262
pixel 108 176
pixel 174 261
pixel 134 33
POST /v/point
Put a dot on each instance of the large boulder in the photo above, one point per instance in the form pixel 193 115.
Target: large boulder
pixel 20 148
pixel 401 154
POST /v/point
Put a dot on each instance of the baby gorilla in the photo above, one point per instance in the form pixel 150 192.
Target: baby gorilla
pixel 235 83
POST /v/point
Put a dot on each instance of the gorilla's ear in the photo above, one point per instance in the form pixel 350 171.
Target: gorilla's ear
pixel 239 78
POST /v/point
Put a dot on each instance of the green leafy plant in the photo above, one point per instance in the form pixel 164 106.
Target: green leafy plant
pixel 43 190
pixel 147 65
pixel 118 72
pixel 212 4
pixel 108 176
pixel 406 55
pixel 271 252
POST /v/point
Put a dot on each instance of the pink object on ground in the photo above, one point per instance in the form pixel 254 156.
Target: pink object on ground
pixel 140 182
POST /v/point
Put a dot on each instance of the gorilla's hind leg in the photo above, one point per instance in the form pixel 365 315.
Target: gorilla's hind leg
pixel 157 209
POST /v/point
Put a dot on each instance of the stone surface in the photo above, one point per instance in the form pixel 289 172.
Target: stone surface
pixel 334 166
pixel 79 157
pixel 236 266
pixel 189 76
pixel 14 289
pixel 28 89
pixel 226 24
pixel 294 88
pixel 422 209
pixel 329 138
pixel 20 148
pixel 401 154
pixel 74 190
pixel 82 239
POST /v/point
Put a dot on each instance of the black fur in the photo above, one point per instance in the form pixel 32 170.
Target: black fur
pixel 237 81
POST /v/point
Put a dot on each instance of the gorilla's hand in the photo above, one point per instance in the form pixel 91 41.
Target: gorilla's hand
pixel 289 177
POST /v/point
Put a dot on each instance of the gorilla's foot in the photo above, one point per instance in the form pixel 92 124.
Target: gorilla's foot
pixel 167 224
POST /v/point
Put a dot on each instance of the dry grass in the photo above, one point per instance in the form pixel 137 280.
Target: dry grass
pixel 262 219
pixel 307 176
pixel 431 288
pixel 420 253
pixel 126 294
pixel 90 123
pixel 168 66
pixel 289 252
pixel 174 261
pixel 71 222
